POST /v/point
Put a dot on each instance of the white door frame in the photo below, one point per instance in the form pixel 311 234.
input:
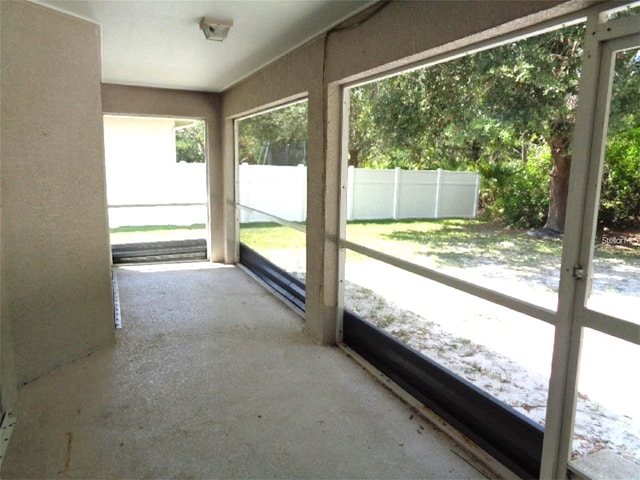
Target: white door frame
pixel 602 39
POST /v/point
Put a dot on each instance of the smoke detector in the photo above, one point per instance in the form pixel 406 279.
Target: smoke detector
pixel 215 29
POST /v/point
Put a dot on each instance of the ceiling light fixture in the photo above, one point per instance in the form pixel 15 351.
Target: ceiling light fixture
pixel 215 29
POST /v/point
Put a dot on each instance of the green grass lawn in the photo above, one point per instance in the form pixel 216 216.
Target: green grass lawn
pixel 443 242
pixel 265 236
pixel 451 239
pixel 156 233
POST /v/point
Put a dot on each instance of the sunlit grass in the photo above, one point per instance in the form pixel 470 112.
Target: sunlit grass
pixel 453 241
pixel 156 233
pixel 264 236
pixel 156 228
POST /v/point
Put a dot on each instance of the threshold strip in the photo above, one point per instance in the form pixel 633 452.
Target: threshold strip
pixel 154 252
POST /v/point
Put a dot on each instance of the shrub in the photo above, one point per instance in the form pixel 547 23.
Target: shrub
pixel 516 193
pixel 620 192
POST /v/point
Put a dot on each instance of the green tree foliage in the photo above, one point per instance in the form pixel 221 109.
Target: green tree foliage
pixel 190 143
pixel 365 143
pixel 620 191
pixel 279 135
pixel 532 85
pixel 517 192
pixel 427 118
pixel 508 112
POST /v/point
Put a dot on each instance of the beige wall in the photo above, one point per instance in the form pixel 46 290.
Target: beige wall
pixel 56 279
pixel 400 34
pixel 157 102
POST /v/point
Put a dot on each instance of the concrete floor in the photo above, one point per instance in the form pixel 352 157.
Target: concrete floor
pixel 213 377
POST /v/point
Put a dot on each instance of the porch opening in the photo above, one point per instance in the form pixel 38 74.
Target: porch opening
pixel 156 188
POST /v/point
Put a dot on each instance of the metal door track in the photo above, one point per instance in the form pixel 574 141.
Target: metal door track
pixel 159 252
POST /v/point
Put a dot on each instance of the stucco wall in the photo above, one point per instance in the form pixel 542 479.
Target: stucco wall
pixel 8 384
pixel 400 34
pixel 56 279
pixel 158 102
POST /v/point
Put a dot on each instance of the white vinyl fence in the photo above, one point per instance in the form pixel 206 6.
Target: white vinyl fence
pixel 174 194
pixel 278 190
pixel 371 194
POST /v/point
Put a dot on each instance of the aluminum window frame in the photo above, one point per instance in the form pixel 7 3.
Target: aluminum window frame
pixel 236 139
pixel 570 317
pixel 602 38
pixel 284 285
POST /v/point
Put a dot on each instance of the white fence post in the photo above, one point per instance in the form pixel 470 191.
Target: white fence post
pixel 436 214
pixel 396 192
pixel 476 195
pixel 243 187
pixel 302 189
pixel 351 181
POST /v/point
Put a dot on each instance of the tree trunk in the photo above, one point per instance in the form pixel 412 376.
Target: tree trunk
pixel 354 157
pixel 559 185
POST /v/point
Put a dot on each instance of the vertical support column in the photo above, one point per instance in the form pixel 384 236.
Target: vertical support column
pixel 215 184
pixel 323 214
pixel 396 192
pixel 323 195
pixel 230 173
pixel 346 205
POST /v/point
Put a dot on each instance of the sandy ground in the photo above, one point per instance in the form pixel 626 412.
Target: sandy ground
pixel 503 374
pixel 506 353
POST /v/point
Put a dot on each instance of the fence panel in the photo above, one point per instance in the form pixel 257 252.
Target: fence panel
pixel 160 214
pixel 172 194
pixel 372 194
pixel 458 195
pixel 278 190
pixel 418 192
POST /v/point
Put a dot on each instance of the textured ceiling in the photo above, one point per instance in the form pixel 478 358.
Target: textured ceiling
pixel 159 43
